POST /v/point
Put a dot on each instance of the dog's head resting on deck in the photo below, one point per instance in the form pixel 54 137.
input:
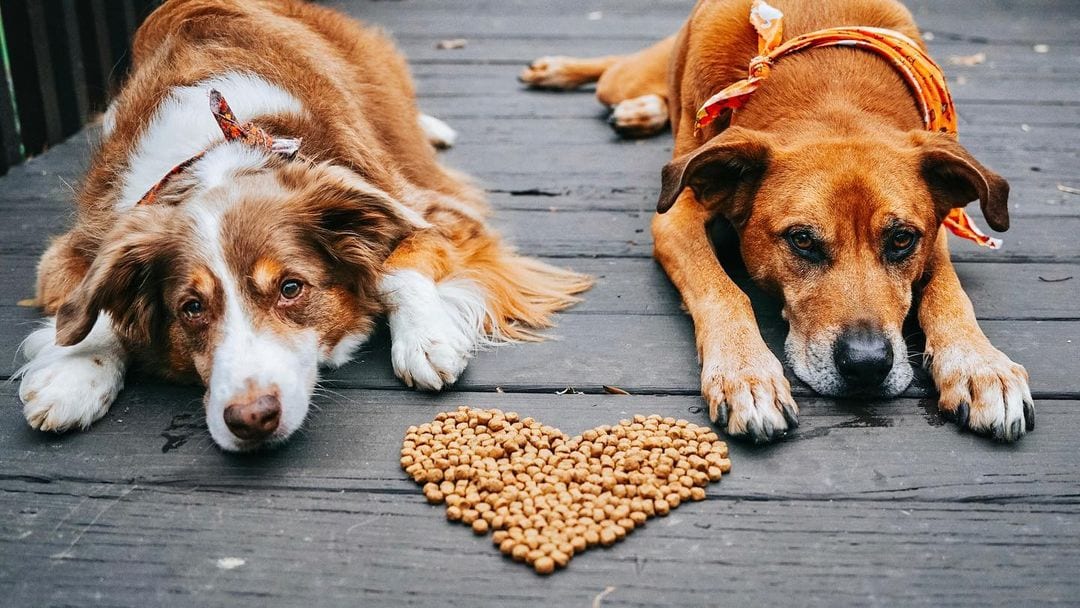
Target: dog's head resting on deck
pixel 248 272
pixel 842 227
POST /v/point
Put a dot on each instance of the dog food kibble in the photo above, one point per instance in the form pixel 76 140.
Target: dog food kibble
pixel 548 496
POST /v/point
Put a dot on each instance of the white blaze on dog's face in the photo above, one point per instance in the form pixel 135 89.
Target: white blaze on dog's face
pixel 842 229
pixel 249 273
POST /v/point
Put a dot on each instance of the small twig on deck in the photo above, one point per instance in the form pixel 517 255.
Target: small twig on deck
pixel 600 596
pixel 1068 189
pixel 451 44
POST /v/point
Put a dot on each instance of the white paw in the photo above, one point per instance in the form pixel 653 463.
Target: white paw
pixel 553 72
pixel 433 329
pixel 429 358
pixel 70 387
pixel 983 390
pixel 640 116
pixel 438 133
pixel 749 395
pixel 70 393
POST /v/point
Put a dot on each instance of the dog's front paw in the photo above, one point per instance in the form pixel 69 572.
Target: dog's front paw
pixel 71 392
pixel 552 73
pixel 983 390
pixel 434 329
pixel 640 116
pixel 749 395
pixel 429 357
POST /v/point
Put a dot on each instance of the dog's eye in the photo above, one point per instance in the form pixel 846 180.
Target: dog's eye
pixel 192 309
pixel 802 240
pixel 805 244
pixel 291 289
pixel 901 243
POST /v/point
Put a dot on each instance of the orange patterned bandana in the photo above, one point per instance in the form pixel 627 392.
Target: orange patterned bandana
pixel 233 130
pixel 923 76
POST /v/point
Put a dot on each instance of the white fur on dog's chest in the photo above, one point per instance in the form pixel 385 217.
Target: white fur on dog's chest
pixel 183 126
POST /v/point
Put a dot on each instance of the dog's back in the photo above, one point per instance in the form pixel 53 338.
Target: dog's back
pixel 725 45
pixel 349 79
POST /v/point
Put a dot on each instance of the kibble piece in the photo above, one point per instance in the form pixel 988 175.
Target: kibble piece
pixel 519 552
pixel 544 565
pixel 480 526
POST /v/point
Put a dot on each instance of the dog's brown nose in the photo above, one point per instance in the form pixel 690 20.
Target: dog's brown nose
pixel 254 420
pixel 864 357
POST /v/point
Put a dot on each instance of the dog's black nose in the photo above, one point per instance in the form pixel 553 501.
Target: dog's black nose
pixel 863 357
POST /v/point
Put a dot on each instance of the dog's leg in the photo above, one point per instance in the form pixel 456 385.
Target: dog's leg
pixel 449 293
pixel 980 388
pixel 741 380
pixel 565 73
pixel 435 324
pixel 634 86
pixel 636 90
pixel 70 387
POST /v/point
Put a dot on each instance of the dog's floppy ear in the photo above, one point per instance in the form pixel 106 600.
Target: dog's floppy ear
pixel 355 224
pixel 955 179
pixel 717 171
pixel 123 280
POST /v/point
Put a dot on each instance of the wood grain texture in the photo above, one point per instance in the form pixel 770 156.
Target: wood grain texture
pixel 878 503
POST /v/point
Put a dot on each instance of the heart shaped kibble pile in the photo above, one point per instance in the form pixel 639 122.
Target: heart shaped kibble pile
pixel 547 496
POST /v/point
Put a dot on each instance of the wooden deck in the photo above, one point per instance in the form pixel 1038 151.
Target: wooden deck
pixel 875 503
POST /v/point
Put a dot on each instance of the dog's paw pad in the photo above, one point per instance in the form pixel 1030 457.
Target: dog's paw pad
pixel 985 391
pixel 640 116
pixel 70 393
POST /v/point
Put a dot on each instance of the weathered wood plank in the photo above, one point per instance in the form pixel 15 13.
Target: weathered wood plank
pixel 347 548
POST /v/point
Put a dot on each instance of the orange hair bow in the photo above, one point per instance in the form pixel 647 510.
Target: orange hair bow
pixel 246 133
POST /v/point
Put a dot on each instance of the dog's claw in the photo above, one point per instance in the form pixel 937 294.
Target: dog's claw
pixel 790 415
pixel 1029 415
pixel 963 411
pixel 721 415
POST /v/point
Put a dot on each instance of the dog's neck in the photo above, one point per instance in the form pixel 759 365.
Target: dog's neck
pixel 831 92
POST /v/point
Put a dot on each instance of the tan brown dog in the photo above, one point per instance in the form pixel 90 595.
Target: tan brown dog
pixel 264 188
pixel 838 195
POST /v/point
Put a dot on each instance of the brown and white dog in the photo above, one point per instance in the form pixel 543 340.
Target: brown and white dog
pixel 250 268
pixel 837 194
